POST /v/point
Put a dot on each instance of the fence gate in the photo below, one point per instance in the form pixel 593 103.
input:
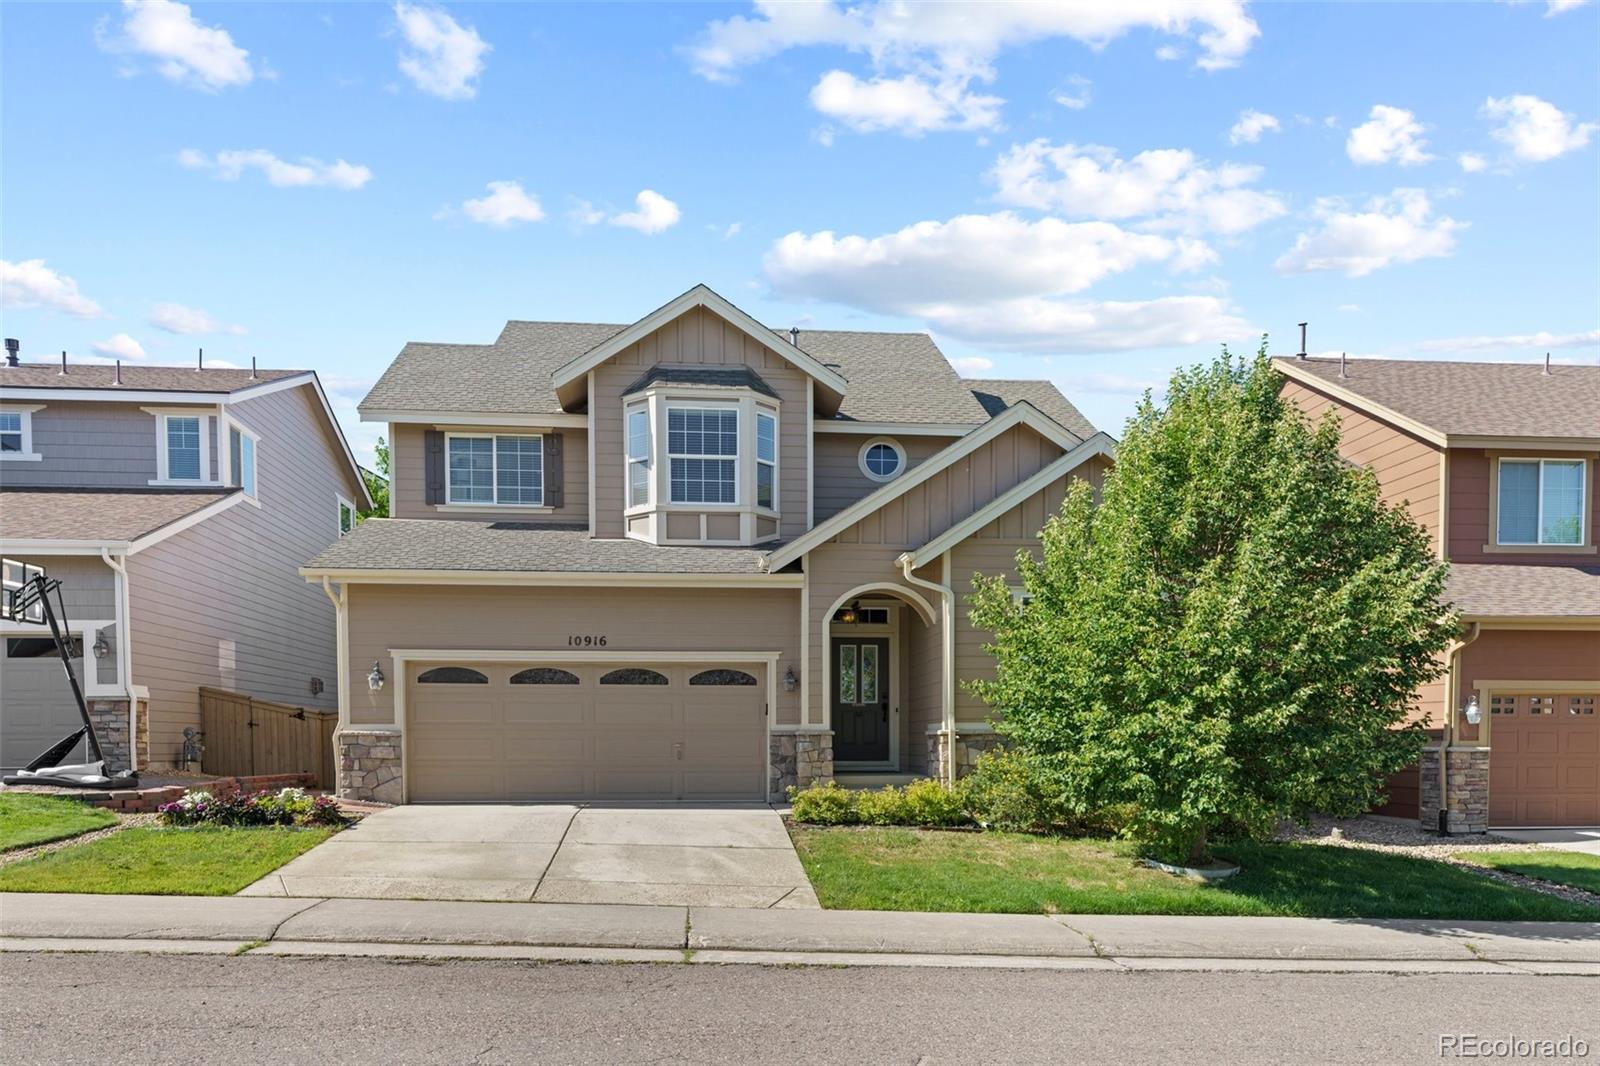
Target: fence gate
pixel 244 735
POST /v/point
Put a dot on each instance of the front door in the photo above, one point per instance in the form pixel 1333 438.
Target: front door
pixel 861 699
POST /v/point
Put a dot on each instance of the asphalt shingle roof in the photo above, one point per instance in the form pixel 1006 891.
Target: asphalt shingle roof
pixel 996 395
pixel 740 377
pixel 1499 590
pixel 447 544
pixel 158 378
pixel 101 514
pixel 1473 399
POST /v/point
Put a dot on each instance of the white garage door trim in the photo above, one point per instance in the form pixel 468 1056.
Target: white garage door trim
pixel 403 657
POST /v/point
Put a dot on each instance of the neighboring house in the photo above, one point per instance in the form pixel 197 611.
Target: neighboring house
pixel 1498 462
pixel 688 558
pixel 176 504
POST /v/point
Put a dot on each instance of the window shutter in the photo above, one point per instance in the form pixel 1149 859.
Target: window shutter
pixel 434 449
pixel 553 480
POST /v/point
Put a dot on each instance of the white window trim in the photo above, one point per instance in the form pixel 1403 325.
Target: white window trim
pixel 494 472
pixel 646 408
pixel 207 420
pixel 226 447
pixel 1583 503
pixel 86 631
pixel 341 501
pixel 899 450
pixel 737 456
pixel 27 454
pixel 764 411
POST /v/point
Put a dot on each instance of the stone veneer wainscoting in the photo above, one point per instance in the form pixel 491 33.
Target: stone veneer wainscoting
pixel 110 718
pixel 969 745
pixel 798 760
pixel 369 765
pixel 1469 790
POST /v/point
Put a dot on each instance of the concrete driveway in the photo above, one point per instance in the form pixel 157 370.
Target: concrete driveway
pixel 1583 840
pixel 556 853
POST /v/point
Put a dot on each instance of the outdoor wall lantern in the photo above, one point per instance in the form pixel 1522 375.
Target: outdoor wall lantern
pixel 1470 711
pixel 789 680
pixel 850 615
pixel 375 679
pixel 101 647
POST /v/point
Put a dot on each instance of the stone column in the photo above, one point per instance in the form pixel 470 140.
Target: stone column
pixel 797 760
pixel 968 746
pixel 1467 773
pixel 110 718
pixel 369 765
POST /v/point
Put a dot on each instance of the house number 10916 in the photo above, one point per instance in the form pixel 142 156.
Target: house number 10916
pixel 589 641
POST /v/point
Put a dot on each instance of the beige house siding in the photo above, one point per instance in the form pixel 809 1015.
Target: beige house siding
pixel 698 337
pixel 408 460
pixel 1408 468
pixel 88 592
pixel 384 618
pixel 89 445
pixel 924 685
pixel 839 480
pixel 222 604
pixel 1472 514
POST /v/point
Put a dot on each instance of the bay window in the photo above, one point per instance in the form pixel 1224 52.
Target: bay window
pixel 703 454
pixel 1542 501
pixel 638 431
pixel 766 461
pixel 495 470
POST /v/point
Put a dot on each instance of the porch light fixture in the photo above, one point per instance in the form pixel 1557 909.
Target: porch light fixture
pixel 850 615
pixel 375 679
pixel 790 682
pixel 101 647
pixel 1471 711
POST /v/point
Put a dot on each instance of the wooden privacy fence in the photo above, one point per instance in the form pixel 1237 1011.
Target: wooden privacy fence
pixel 245 736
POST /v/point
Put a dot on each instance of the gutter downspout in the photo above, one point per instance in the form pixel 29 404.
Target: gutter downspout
pixel 947 620
pixel 124 652
pixel 1452 698
pixel 341 628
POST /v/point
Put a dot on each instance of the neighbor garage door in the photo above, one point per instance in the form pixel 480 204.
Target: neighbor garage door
pixel 1544 759
pixel 634 731
pixel 36 704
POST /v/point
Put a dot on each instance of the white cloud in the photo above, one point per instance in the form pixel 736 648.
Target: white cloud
pixel 306 172
pixel 443 57
pixel 1541 341
pixel 1169 53
pixel 1391 135
pixel 196 56
pixel 941 49
pixel 972 364
pixel 1077 95
pixel 1168 188
pixel 1251 125
pixel 30 284
pixel 1560 7
pixel 120 346
pixel 731 230
pixel 1398 228
pixel 1041 325
pixel 652 213
pixel 506 203
pixel 188 321
pixel 1536 130
pixel 907 104
pixel 1472 162
pixel 1110 384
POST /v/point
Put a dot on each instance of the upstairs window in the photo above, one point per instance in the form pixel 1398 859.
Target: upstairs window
pixel 16 434
pixel 496 470
pixel 1542 501
pixel 703 452
pixel 766 461
pixel 638 430
pixel 347 515
pixel 184 453
pixel 882 459
pixel 242 452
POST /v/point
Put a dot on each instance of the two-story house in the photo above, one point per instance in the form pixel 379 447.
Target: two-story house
pixel 176 505
pixel 688 558
pixel 1498 462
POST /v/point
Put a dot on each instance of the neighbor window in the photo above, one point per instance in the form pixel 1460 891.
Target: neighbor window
pixel 766 461
pixel 184 454
pixel 16 435
pixel 1542 501
pixel 242 448
pixel 638 456
pixel 496 470
pixel 703 451
pixel 347 516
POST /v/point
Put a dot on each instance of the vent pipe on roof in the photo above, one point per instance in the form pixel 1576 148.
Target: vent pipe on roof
pixel 1343 370
pixel 200 359
pixel 13 346
pixel 1547 362
pixel 252 368
pixel 119 372
pixel 63 361
pixel 1302 354
pixel 794 336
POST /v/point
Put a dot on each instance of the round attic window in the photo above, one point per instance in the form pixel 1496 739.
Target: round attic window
pixel 882 459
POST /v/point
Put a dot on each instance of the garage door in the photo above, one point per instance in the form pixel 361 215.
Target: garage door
pixel 36 704
pixel 1544 759
pixel 635 731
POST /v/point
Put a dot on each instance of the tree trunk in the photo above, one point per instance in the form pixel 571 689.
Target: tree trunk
pixel 1198 854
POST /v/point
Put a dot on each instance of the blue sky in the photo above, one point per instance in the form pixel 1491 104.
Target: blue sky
pixel 1093 194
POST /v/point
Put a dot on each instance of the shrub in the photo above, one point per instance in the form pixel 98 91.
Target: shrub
pixel 1007 789
pixel 921 803
pixel 927 802
pixel 289 806
pixel 824 804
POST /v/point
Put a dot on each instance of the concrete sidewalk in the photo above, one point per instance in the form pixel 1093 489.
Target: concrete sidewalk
pixel 591 932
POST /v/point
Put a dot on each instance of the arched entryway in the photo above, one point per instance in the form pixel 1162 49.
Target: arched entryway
pixel 880 687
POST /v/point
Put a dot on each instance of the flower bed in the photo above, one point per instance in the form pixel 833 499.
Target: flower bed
pixel 287 806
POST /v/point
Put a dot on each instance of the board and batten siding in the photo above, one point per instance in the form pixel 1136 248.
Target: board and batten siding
pixel 92 445
pixel 1471 525
pixel 222 603
pixel 839 481
pixel 409 463
pixel 489 618
pixel 698 337
pixel 1408 467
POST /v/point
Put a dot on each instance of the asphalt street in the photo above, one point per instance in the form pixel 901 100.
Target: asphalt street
pixel 125 1008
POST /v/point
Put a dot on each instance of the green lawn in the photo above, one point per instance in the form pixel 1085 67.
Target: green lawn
pixel 916 870
pixel 163 862
pixel 1563 867
pixel 26 820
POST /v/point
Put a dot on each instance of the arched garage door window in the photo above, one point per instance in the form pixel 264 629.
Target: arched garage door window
pixel 544 675
pixel 452 675
pixel 722 677
pixel 634 676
